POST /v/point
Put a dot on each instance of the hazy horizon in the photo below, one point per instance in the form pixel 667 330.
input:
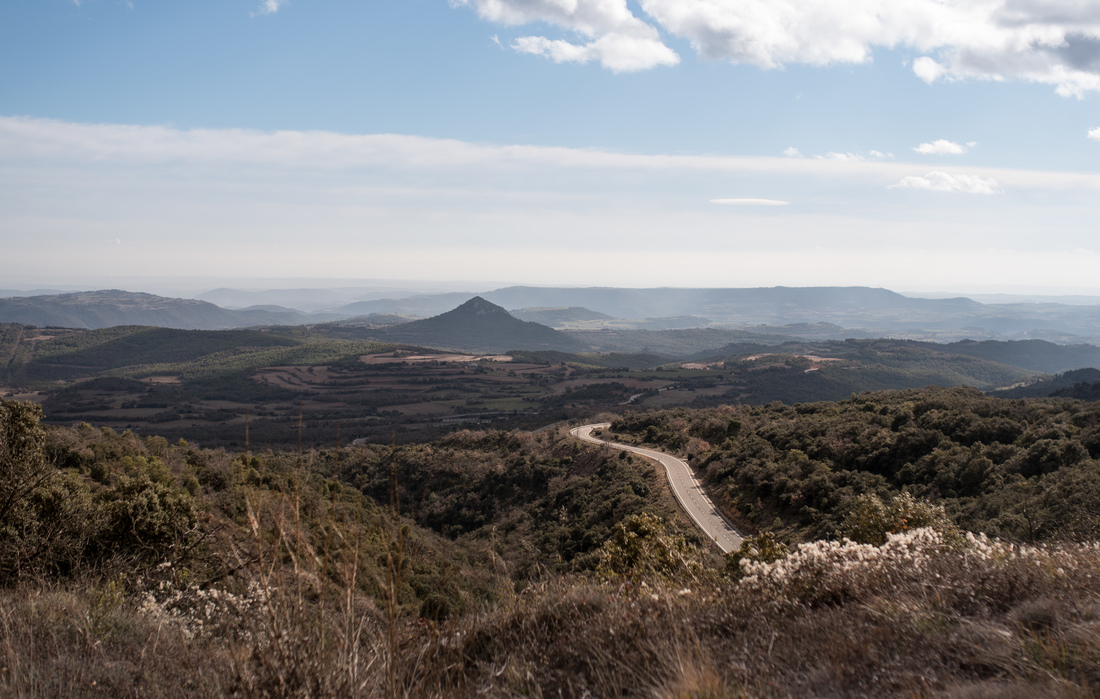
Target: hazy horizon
pixel 196 287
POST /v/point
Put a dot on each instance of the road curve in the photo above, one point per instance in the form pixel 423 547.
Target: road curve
pixel 684 486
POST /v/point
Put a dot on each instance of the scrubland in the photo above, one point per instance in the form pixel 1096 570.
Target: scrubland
pixel 523 564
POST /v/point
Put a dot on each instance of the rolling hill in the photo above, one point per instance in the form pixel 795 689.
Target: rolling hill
pixel 1036 355
pixel 1079 383
pixel 109 308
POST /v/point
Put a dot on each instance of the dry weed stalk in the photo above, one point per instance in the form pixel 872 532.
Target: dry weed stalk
pixel 316 636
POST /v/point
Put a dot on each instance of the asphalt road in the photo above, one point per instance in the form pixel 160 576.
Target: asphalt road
pixel 684 486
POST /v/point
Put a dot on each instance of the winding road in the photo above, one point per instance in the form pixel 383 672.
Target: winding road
pixel 687 490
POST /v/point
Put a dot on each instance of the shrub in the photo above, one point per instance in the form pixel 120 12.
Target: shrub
pixel 871 520
pixel 642 545
pixel 146 517
pixel 762 548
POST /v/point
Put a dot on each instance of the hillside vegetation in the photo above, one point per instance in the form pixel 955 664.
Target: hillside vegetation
pixel 1036 355
pixel 1071 384
pixel 1022 470
pixel 519 564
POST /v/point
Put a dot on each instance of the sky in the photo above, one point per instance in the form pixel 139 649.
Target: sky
pixel 923 145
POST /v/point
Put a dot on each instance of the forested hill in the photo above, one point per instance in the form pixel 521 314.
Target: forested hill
pixel 477 325
pixel 109 308
pixel 1013 468
pixel 1036 355
pixel 1079 383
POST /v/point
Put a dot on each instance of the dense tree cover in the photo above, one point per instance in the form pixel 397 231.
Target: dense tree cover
pixel 478 507
pixel 1083 390
pixel 84 503
pixel 112 502
pixel 543 503
pixel 1059 385
pixel 1023 469
pixel 1036 355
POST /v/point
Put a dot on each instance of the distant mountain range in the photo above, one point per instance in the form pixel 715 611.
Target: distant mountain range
pixel 866 311
pixel 305 300
pixel 810 312
pixel 104 309
pixel 754 306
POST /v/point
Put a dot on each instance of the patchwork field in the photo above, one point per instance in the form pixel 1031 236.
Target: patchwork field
pixel 288 384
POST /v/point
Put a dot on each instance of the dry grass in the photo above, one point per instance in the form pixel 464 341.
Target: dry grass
pixel 909 621
pixel 58 642
pixel 914 618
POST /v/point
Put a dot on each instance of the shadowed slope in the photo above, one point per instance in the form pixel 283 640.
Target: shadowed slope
pixel 480 326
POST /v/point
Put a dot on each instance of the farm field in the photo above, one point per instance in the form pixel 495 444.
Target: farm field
pixel 291 384
pixel 204 386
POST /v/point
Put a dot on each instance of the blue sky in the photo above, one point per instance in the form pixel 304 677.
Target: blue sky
pixel 911 144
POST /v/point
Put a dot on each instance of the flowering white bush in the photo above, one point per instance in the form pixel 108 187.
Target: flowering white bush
pixel 824 572
pixel 206 612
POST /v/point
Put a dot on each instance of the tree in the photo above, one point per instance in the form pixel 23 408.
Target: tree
pixel 25 473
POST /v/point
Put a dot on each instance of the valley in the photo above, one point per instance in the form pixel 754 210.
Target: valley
pixel 290 383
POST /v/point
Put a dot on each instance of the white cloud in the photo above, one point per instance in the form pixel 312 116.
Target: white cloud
pixel 48 142
pixel 614 37
pixel 851 157
pixel 268 7
pixel 750 202
pixel 792 152
pixel 941 147
pixel 616 52
pixel 948 182
pixel 928 70
pixel 1056 42
pixel 407 206
pixel 1094 134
